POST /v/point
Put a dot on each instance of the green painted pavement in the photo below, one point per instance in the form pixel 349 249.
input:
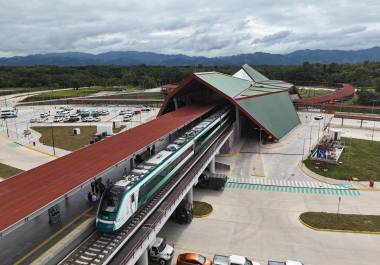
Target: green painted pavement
pixel 304 190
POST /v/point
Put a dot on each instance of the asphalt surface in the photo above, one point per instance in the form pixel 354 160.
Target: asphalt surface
pixel 263 225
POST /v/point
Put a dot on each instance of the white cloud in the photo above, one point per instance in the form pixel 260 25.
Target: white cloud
pixel 208 28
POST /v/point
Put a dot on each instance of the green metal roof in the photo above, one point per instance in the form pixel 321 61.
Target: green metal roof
pixel 266 101
pixel 277 83
pixel 275 112
pixel 229 85
pixel 255 75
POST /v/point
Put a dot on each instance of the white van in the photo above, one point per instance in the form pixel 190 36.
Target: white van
pixel 8 112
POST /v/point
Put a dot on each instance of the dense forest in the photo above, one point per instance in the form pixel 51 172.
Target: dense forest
pixel 366 75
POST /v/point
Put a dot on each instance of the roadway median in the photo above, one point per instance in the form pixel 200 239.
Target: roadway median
pixel 348 223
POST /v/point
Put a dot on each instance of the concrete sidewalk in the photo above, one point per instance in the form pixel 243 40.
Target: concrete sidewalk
pixel 19 156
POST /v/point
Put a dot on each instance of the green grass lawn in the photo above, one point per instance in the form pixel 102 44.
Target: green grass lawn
pixel 306 93
pixel 70 93
pixel 145 95
pixel 360 159
pixel 353 222
pixel 117 130
pixel 8 171
pixel 201 209
pixel 64 138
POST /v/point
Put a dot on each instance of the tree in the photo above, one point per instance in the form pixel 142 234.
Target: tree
pixel 376 84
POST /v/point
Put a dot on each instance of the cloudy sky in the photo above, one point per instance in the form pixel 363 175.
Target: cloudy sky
pixel 197 27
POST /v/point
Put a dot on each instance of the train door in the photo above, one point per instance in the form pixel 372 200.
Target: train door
pixel 133 199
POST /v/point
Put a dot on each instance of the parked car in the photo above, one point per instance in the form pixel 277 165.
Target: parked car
pixel 127 118
pixel 58 119
pixel 145 109
pixel 8 112
pixel 95 113
pixel 38 120
pixel 104 112
pixel 96 119
pixel 69 108
pixel 122 112
pixel 318 117
pixel 44 115
pixel 84 113
pixel 74 118
pixel 192 259
pixel 135 112
pixel 88 119
pixel 232 260
pixel 160 251
pixel 287 262
pixel 66 119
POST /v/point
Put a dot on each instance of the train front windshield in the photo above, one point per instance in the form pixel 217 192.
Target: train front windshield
pixel 111 200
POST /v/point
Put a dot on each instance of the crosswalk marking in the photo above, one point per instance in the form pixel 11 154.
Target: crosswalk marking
pixel 289 183
pixel 304 190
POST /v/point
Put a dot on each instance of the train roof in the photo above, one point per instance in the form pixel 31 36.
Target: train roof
pixel 158 158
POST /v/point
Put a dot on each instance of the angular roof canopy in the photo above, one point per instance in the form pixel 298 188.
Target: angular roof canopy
pixel 266 103
pixel 251 74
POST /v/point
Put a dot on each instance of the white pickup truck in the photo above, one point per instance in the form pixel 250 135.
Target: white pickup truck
pixel 287 262
pixel 160 252
pixel 232 260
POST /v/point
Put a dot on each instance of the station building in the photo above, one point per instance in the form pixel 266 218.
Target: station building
pixel 262 106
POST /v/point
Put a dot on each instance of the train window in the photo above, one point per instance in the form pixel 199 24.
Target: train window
pixel 151 184
pixel 133 198
pixel 111 200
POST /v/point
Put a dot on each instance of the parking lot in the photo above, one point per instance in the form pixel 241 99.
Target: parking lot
pixel 57 115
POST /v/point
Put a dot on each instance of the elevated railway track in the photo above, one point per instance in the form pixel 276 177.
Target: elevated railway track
pixel 102 248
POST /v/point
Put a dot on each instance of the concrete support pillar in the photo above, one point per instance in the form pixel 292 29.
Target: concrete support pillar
pixel 175 103
pixel 189 196
pixel 212 165
pixel 143 260
pixel 361 123
pixel 237 121
pixel 342 121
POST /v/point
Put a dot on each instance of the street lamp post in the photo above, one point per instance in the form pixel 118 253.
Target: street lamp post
pixel 311 130
pixel 374 122
pixel 6 125
pixel 52 136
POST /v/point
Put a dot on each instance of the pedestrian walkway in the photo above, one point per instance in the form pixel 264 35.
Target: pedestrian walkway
pixel 290 183
pixel 304 190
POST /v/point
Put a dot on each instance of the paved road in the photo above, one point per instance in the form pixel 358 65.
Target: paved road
pixel 264 225
pixel 279 160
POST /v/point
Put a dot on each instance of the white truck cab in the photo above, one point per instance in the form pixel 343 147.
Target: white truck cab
pixel 232 260
pixel 160 252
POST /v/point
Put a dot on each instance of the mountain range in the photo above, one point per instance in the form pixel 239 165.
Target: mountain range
pixel 150 58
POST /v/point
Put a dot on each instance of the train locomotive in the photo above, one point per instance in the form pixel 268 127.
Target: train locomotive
pixel 125 197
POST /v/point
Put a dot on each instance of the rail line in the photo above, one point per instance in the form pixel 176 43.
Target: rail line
pixel 159 217
pixel 100 248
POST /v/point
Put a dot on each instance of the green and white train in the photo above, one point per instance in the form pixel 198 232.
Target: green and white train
pixel 123 199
